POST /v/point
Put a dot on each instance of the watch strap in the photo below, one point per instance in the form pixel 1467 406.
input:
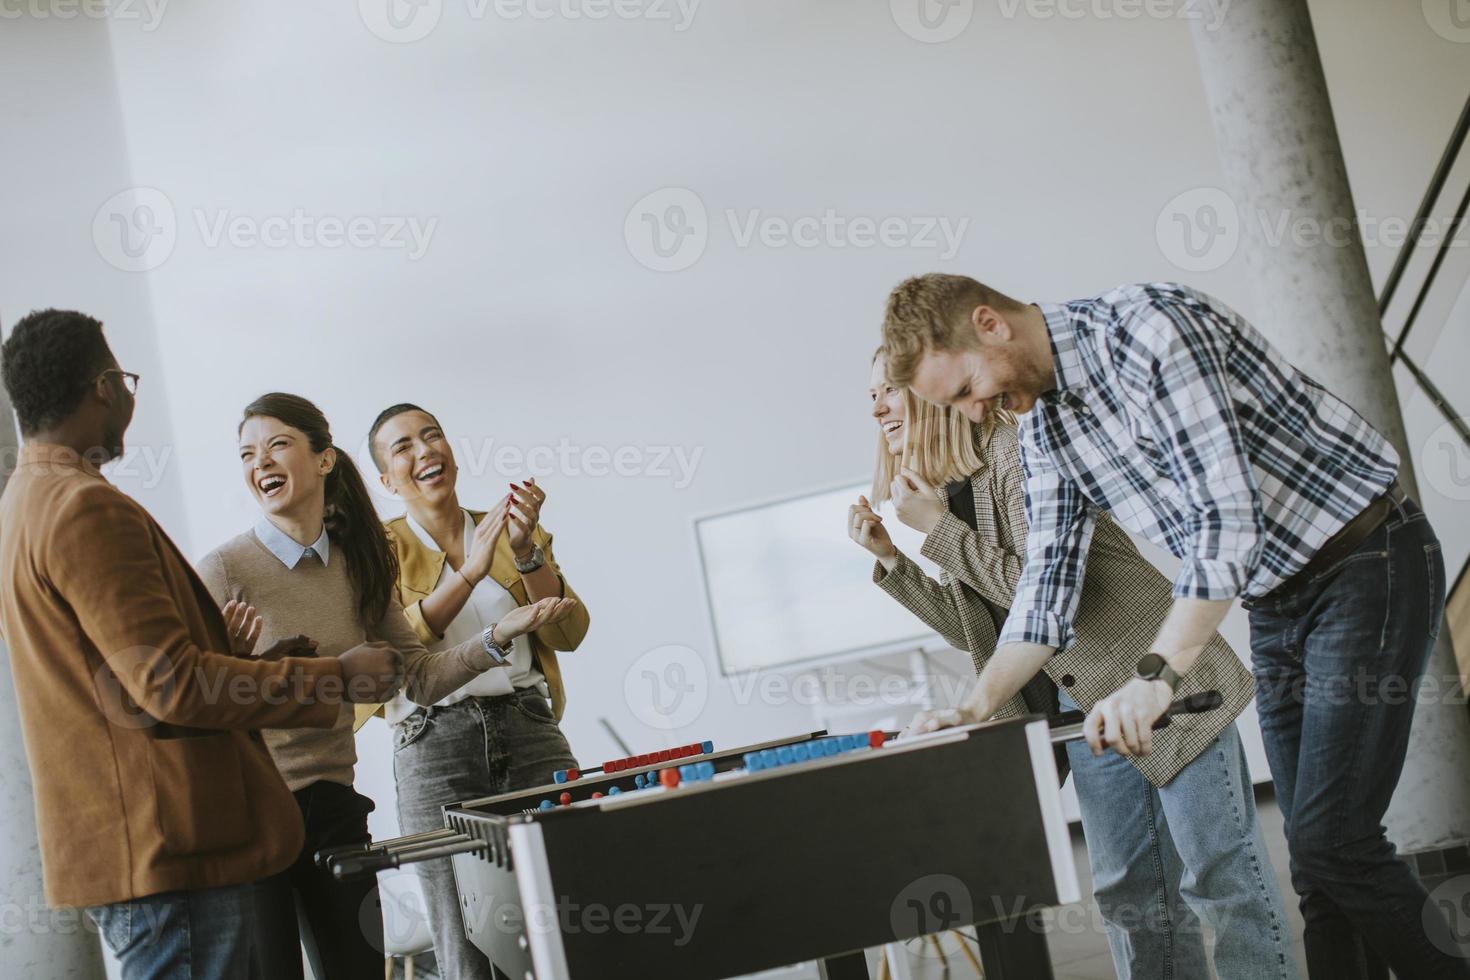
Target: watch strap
pixel 537 559
pixel 1153 667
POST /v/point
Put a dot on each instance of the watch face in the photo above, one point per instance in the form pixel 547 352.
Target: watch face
pixel 1152 665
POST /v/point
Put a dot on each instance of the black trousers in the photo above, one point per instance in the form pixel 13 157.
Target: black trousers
pixel 339 923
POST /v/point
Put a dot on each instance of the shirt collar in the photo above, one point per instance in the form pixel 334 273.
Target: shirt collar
pixel 1066 357
pixel 428 540
pixel 55 454
pixel 284 547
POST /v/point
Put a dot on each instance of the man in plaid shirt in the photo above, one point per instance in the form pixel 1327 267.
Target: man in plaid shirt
pixel 1168 410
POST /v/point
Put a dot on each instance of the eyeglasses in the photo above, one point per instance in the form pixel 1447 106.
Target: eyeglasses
pixel 130 380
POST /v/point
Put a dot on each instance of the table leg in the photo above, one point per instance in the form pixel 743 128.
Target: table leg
pixel 1015 949
pixel 848 966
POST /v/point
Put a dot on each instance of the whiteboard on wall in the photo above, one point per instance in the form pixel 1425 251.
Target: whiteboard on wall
pixel 786 586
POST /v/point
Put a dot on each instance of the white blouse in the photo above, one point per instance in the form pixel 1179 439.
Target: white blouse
pixel 489 602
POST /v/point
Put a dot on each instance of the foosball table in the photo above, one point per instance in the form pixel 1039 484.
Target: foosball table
pixel 695 863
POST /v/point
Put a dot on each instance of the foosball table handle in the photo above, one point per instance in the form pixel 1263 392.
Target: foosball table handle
pixel 1068 725
pixel 1195 704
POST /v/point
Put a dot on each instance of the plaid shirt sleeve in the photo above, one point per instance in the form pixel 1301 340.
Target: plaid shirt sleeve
pixel 1179 348
pixel 1061 520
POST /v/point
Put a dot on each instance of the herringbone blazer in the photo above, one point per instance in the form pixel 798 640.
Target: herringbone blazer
pixel 1124 601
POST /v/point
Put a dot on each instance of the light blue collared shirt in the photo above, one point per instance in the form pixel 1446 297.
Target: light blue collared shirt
pixel 284 547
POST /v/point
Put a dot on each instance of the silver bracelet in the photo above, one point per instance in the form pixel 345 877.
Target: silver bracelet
pixel 487 640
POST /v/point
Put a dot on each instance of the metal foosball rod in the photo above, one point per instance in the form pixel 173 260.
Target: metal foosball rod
pixel 352 865
pixel 322 857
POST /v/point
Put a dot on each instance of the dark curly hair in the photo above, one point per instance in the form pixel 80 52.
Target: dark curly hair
pixel 47 361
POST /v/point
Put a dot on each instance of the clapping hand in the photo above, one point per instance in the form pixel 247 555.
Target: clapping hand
pixel 243 624
pixel 531 617
pixel 482 549
pixel 916 502
pixel 865 526
pixel 523 513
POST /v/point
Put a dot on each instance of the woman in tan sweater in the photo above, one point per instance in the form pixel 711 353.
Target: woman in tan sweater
pixel 319 564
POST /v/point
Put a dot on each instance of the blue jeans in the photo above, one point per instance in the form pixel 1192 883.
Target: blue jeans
pixel 1164 857
pixel 481 746
pixel 1336 662
pixel 206 934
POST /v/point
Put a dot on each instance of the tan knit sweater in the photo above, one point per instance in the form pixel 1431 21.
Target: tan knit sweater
pixel 317 601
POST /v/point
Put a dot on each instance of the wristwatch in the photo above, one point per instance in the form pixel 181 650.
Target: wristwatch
pixel 1153 667
pixel 537 559
pixel 487 640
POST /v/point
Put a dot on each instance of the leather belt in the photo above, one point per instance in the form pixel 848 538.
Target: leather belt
pixel 1345 541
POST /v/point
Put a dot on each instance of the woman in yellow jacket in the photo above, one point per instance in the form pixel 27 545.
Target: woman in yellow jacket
pixel 465 574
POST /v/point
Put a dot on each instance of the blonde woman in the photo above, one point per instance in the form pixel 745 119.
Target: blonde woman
pixel 969 605
pixel 1172 836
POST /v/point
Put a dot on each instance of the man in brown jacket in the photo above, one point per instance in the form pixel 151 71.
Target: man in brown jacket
pixel 156 802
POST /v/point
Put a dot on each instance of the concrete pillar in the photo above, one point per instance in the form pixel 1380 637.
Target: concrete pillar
pixel 35 942
pixel 1281 159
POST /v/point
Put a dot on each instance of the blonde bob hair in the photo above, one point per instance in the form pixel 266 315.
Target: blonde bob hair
pixel 939 444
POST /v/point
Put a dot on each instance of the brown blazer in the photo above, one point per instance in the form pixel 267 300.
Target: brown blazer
pixel 148 774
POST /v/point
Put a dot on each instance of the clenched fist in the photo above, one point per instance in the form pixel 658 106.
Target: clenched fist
pixel 371 672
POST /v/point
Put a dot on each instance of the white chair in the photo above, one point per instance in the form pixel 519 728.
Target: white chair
pixel 405 920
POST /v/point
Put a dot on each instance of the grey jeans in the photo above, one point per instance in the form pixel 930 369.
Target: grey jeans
pixel 481 746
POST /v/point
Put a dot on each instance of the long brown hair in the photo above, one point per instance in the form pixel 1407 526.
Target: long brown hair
pixel 352 522
pixel 939 443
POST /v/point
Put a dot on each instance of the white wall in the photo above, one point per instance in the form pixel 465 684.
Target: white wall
pixel 64 153
pixel 530 319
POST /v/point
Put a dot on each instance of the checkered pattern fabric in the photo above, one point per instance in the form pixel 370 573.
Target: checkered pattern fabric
pixel 1174 415
pixel 1123 603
